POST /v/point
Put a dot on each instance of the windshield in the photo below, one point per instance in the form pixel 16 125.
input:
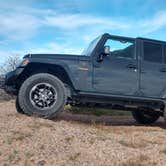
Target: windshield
pixel 91 46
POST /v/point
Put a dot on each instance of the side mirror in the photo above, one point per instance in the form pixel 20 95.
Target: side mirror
pixel 100 58
pixel 107 50
pixel 105 53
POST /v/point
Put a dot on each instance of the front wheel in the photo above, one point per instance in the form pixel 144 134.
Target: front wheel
pixel 42 95
pixel 145 116
pixel 18 108
pixel 165 116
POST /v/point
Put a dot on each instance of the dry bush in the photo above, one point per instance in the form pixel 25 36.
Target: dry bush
pixel 10 64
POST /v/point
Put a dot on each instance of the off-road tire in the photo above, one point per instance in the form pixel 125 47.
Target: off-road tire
pixel 18 108
pixel 145 116
pixel 26 103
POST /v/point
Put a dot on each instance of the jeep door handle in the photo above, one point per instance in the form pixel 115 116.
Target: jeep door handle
pixel 163 70
pixel 131 66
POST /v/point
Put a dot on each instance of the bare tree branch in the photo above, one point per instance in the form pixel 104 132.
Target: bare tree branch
pixel 10 64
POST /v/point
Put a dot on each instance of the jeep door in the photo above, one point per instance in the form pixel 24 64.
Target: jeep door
pixel 117 73
pixel 153 69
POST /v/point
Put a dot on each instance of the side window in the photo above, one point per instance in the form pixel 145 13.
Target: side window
pixel 121 48
pixel 152 52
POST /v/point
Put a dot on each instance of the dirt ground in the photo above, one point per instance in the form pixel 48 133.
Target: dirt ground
pixel 79 140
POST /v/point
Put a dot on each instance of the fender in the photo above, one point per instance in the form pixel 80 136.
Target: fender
pixel 37 65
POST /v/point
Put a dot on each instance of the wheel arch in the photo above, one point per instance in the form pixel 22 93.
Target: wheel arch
pixel 58 70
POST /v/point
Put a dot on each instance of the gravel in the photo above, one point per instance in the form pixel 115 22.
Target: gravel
pixel 79 140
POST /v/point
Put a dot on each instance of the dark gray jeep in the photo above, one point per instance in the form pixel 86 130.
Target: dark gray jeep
pixel 112 71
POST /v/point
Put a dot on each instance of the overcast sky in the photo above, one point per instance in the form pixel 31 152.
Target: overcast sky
pixel 67 26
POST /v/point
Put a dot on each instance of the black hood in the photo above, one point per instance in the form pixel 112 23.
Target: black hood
pixel 55 56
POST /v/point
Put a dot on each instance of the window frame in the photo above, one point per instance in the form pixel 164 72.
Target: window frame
pixel 127 40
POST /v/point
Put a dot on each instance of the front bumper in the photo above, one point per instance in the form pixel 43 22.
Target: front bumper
pixel 11 79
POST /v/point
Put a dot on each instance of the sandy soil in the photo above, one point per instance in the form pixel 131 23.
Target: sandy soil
pixel 79 140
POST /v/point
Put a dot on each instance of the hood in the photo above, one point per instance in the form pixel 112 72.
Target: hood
pixel 51 56
pixel 56 56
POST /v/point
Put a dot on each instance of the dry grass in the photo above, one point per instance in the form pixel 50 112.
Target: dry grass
pixel 74 157
pixel 141 160
pixel 133 143
pixel 38 125
pixel 163 151
pixel 76 139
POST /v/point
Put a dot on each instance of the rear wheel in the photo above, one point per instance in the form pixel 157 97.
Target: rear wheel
pixel 42 95
pixel 145 116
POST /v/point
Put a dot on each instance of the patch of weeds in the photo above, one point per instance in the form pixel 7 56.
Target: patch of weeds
pixel 132 144
pixel 163 151
pixel 92 141
pixel 124 143
pixel 29 155
pixel 132 163
pixel 153 141
pixel 143 157
pixel 5 164
pixel 8 140
pixel 19 136
pixel 140 161
pixel 47 125
pixel 75 156
pixel 38 125
pixel 26 163
pixel 69 139
pixel 42 147
pixel 103 138
pixel 12 156
pixel 34 125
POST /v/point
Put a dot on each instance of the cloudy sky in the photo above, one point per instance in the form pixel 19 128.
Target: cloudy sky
pixel 67 26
